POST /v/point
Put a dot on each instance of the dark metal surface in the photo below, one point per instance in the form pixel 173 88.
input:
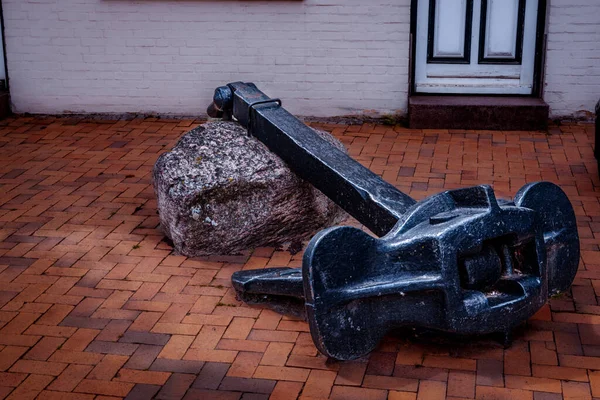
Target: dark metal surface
pixel 459 261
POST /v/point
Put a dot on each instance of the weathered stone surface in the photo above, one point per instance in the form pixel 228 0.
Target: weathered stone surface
pixel 222 192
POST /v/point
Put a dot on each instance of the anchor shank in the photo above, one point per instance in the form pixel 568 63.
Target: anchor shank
pixel 372 201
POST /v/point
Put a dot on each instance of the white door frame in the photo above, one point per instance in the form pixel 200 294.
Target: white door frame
pixel 536 59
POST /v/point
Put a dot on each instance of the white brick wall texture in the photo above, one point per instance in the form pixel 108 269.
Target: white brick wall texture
pixel 323 57
pixel 572 84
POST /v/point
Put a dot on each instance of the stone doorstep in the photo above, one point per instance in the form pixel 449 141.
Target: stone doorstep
pixel 477 112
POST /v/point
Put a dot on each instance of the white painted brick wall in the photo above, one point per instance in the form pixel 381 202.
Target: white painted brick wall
pixel 323 57
pixel 572 85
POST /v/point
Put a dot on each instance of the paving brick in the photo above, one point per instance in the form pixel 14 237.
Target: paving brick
pixel 9 355
pixel 381 363
pixel 286 390
pixel 420 372
pixel 147 291
pixel 296 326
pixel 70 378
pixel 267 320
pixel 540 354
pixel 58 331
pixel 85 322
pixel 176 313
pixel 351 374
pixel 568 343
pixel 494 393
pixel 595 383
pixel 176 329
pixel 176 387
pixel 390 383
pixel 319 384
pixel 75 357
pixel 273 336
pixel 141 305
pixel 52 395
pixel 244 365
pixel 354 393
pixel 80 305
pixel 409 355
pixel 211 376
pixel 180 366
pixel 310 362
pixel 276 354
pixel 209 337
pixel 231 311
pixel 431 390
pixel 532 383
pixel 109 388
pixel 148 377
pixel 579 361
pixel 281 373
pixel 243 345
pixel 554 372
pixel 126 349
pixel 176 347
pixel 234 384
pixel 55 315
pixel 461 384
pixel 31 387
pixel 490 373
pixel 108 367
pixel 38 367
pixel 44 348
pixel 142 392
pixel 80 339
pixel 546 396
pixel 211 394
pixel 86 307
pixel 239 328
pixel 107 313
pixel 450 362
pixel 393 395
pixel 576 390
pixel 145 321
pixel 12 379
pixel 201 354
pixel 143 357
pixel 20 323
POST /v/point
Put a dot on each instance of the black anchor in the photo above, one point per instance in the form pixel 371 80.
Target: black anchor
pixel 460 261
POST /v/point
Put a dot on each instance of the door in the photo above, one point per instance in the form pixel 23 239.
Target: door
pixel 475 46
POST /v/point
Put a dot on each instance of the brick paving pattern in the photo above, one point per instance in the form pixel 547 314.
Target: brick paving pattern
pixel 94 304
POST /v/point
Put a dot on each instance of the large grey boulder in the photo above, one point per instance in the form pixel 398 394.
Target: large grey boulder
pixel 220 191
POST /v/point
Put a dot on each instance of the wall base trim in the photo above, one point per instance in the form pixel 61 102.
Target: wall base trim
pixel 477 112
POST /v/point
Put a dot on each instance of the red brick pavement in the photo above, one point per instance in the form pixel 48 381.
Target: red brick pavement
pixel 94 303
